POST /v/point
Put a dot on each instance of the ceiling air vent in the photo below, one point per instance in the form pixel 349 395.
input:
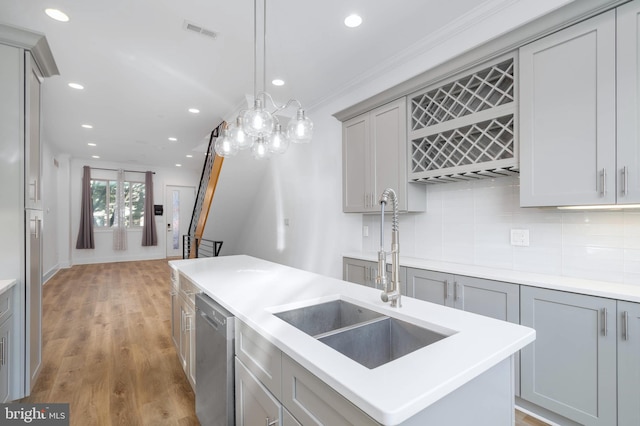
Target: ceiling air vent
pixel 199 29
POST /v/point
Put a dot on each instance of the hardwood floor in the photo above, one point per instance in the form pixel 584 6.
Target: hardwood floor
pixel 107 348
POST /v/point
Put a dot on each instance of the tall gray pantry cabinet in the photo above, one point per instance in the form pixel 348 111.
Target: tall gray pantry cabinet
pixel 25 58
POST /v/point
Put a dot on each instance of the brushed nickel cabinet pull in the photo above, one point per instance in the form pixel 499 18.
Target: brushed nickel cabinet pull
pixel 271 423
pixel 604 321
pixel 625 325
pixel 446 289
pixel 456 290
pixel 603 182
pixel 625 181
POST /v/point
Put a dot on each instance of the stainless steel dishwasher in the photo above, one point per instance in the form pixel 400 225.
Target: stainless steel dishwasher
pixel 214 363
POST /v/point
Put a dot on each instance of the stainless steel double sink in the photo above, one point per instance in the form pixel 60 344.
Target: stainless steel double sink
pixel 367 337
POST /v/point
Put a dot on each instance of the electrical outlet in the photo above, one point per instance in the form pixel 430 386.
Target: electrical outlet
pixel 365 231
pixel 520 237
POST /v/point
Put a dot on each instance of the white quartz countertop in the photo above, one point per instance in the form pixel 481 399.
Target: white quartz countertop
pixel 6 285
pixel 252 289
pixel 606 289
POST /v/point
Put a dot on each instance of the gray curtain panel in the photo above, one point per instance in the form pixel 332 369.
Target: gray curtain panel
pixel 85 234
pixel 149 233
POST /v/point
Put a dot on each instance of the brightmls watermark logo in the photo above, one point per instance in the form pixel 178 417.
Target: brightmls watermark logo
pixel 34 414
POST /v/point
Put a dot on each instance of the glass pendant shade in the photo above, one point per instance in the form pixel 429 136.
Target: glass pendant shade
pixel 238 136
pixel 300 129
pixel 257 121
pixel 224 146
pixel 260 150
pixel 278 142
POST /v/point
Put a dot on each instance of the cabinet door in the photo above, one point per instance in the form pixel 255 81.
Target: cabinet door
pixel 254 403
pixel 313 402
pixel 493 299
pixel 570 368
pixel 567 116
pixel 359 271
pixel 389 148
pixel 356 165
pixel 176 320
pixel 33 224
pixel 435 287
pixel 288 419
pixel 628 111
pixel 5 365
pixel 33 164
pixel 629 363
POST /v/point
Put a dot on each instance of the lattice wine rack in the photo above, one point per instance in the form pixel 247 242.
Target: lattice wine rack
pixel 464 128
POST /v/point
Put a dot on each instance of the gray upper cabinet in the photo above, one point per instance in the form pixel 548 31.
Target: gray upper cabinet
pixel 579 111
pixel 33 162
pixel 463 128
pixel 628 365
pixel 628 97
pixel 374 157
pixel 570 369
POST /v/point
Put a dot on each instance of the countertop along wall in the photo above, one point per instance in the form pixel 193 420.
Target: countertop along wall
pixel 470 223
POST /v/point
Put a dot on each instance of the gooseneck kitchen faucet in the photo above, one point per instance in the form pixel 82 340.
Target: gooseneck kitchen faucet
pixel 389 293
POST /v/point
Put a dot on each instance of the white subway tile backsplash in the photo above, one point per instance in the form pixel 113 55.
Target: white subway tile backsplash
pixel 470 222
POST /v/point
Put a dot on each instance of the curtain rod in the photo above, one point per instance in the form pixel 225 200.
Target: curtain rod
pixel 115 170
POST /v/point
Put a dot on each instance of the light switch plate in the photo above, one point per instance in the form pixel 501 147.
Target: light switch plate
pixel 520 237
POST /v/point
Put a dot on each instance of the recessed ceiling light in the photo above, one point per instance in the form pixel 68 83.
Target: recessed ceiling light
pixel 87 126
pixel 194 110
pixel 57 15
pixel 353 21
pixel 178 165
pixel 277 82
pixel 189 156
pixel 172 139
pixel 91 144
pixel 76 86
pixel 95 156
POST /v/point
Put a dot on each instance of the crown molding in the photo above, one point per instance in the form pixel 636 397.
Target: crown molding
pixel 35 42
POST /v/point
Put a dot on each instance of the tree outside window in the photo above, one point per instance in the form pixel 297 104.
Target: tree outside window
pixel 103 193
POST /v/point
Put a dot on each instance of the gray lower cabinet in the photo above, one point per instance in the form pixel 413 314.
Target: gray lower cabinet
pixel 490 298
pixel 270 385
pixel 255 405
pixel 5 355
pixel 629 363
pixel 570 369
pixel 288 419
pixel 313 402
pixel 494 299
pixel 364 272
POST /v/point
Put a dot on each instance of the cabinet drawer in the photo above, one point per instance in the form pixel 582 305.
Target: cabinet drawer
pixel 260 357
pixel 313 402
pixel 5 304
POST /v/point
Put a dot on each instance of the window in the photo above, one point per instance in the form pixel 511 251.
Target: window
pixel 103 193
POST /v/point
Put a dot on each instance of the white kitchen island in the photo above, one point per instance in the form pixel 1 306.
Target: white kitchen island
pixel 465 378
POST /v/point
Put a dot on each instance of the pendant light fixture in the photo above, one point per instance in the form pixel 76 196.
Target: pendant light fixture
pixel 258 128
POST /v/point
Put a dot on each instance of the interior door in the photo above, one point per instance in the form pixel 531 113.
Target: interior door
pixel 179 202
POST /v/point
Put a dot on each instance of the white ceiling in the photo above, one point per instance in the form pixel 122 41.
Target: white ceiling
pixel 142 71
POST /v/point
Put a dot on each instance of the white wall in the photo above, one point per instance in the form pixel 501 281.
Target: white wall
pixel 104 238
